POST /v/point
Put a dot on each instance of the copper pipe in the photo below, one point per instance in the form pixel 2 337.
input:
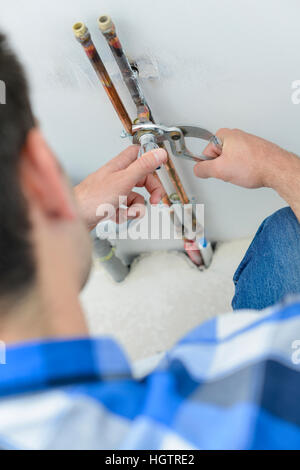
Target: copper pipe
pixel 83 36
pixel 108 30
pixel 144 114
pixel 169 165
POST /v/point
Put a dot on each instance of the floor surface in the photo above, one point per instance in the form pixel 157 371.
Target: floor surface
pixel 163 297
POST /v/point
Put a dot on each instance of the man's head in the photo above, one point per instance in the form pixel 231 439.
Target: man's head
pixel 17 268
pixel 40 230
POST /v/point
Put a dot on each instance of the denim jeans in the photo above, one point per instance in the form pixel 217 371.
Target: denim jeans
pixel 270 270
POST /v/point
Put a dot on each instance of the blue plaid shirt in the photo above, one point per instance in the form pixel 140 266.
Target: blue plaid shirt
pixel 232 383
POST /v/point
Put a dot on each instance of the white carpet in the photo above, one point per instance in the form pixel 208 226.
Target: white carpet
pixel 163 297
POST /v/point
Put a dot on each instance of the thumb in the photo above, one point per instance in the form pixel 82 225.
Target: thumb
pixel 146 164
pixel 205 169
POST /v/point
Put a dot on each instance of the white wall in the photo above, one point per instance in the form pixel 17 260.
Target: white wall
pixel 222 63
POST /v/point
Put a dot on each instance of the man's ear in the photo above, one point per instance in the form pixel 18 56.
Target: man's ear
pixel 42 179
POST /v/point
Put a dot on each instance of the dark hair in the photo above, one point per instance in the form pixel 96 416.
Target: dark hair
pixel 16 259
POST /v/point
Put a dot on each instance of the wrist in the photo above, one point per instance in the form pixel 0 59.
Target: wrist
pixel 83 207
pixel 283 166
pixel 286 182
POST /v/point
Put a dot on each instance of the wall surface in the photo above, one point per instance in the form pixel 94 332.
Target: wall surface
pixel 222 63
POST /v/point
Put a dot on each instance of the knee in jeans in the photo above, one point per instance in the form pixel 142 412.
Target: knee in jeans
pixel 283 223
pixel 270 269
pixel 277 237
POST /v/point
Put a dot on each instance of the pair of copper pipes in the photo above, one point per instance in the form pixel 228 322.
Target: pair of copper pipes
pixel 144 114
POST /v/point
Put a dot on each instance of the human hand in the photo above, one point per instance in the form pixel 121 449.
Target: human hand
pixel 118 178
pixel 245 160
